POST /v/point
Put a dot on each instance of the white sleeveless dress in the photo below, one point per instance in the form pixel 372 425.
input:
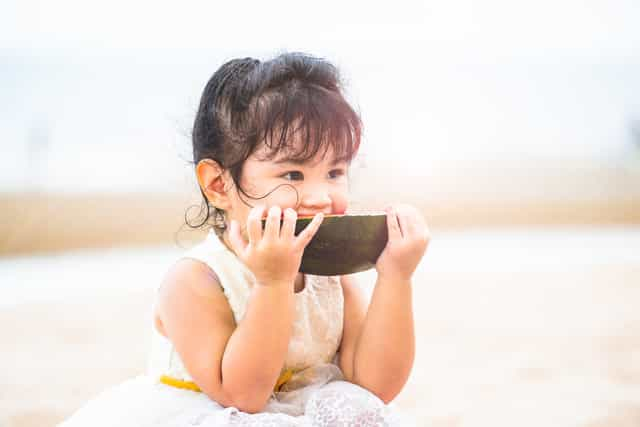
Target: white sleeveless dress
pixel 315 395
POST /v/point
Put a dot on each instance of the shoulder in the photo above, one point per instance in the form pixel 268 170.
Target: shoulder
pixel 189 286
pixel 198 275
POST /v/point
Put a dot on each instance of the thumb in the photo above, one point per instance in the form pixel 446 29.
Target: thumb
pixel 235 238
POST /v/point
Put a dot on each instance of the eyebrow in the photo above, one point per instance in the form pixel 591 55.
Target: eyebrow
pixel 301 162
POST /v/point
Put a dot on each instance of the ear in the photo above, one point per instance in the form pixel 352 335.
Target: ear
pixel 214 180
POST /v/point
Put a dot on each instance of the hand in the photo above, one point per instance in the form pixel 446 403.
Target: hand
pixel 408 241
pixel 273 256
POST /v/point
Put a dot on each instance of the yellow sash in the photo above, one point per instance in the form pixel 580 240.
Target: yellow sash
pixel 190 385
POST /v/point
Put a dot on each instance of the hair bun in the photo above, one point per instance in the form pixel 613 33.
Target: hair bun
pixel 301 68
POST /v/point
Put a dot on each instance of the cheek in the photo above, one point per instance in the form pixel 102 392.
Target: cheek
pixel 340 204
pixel 284 196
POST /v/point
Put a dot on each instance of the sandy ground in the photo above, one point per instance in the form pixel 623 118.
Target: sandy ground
pixel 513 336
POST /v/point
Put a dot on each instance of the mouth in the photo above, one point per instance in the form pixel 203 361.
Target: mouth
pixel 312 215
pixel 306 216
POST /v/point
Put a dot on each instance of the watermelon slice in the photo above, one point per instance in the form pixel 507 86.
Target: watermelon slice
pixel 343 244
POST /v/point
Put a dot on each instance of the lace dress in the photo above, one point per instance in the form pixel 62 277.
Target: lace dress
pixel 311 390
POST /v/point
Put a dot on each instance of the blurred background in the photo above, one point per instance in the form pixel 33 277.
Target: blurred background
pixel 514 127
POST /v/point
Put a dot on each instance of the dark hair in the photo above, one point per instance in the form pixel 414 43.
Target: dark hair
pixel 247 102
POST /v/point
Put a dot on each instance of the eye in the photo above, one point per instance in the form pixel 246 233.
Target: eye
pixel 336 173
pixel 293 176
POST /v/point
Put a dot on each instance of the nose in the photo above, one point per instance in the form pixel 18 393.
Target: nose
pixel 315 198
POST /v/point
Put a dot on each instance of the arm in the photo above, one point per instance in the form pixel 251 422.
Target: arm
pixel 240 366
pixel 235 366
pixel 371 339
pixel 257 349
pixel 378 347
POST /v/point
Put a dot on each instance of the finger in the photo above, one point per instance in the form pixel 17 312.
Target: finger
pixel 238 244
pixel 417 225
pixel 254 224
pixel 414 226
pixel 310 230
pixel 393 228
pixel 289 224
pixel 272 227
pixel 403 221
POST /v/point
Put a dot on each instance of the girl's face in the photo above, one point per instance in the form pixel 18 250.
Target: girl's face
pixel 318 185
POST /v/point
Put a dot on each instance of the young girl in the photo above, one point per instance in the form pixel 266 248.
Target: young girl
pixel 240 336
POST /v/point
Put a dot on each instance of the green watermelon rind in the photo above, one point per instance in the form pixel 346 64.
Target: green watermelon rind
pixel 344 244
